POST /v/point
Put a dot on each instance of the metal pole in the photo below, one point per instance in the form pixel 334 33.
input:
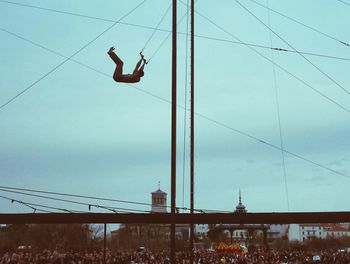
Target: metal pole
pixel 173 133
pixel 104 243
pixel 192 133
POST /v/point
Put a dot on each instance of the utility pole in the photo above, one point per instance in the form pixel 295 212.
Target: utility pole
pixel 173 132
pixel 192 134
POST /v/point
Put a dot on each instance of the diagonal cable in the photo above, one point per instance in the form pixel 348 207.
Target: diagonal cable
pixel 309 61
pixel 300 23
pixel 278 111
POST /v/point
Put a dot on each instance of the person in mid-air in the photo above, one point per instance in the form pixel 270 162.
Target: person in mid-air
pixel 118 75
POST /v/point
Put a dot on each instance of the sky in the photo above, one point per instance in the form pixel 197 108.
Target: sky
pixel 74 130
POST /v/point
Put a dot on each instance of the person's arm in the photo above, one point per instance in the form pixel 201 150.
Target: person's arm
pixel 138 64
pixel 143 66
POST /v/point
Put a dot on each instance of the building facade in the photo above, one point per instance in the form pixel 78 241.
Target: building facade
pixel 303 232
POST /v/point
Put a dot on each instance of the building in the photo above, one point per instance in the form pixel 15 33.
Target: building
pixel 278 231
pixel 201 231
pixel 159 200
pixel 303 232
pixel 152 236
pixel 241 233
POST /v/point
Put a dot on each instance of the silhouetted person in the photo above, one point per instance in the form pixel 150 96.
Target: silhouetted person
pixel 118 75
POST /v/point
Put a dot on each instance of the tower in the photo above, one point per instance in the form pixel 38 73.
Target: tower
pixel 240 208
pixel 159 201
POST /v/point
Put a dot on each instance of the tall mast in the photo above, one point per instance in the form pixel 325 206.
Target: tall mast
pixel 173 133
pixel 192 132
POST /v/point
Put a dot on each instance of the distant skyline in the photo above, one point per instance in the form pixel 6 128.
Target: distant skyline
pixel 74 130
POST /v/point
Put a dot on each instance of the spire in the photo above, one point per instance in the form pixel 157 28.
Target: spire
pixel 158 185
pixel 240 208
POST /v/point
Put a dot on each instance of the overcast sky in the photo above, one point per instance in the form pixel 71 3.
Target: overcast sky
pixel 74 130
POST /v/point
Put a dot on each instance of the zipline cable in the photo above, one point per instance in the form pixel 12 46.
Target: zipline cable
pixel 75 53
pixel 278 111
pixel 286 42
pixel 300 23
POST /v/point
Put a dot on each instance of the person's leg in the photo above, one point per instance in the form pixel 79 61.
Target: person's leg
pixel 119 64
pixel 118 72
pixel 114 56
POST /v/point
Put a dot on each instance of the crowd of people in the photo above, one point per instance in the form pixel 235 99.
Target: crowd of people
pixel 202 257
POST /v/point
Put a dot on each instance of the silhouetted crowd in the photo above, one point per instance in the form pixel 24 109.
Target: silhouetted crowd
pixel 203 257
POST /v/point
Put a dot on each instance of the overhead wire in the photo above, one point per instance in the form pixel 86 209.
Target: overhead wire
pixel 42 206
pixel 76 196
pixel 276 64
pixel 221 124
pixel 25 191
pixel 180 33
pixel 29 205
pixel 278 112
pixel 200 210
pixel 292 47
pixel 89 205
pixel 67 59
pixel 301 23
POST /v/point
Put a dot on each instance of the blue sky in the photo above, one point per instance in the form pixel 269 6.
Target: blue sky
pixel 77 131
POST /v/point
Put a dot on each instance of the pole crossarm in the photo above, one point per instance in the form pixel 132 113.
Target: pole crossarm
pixel 183 218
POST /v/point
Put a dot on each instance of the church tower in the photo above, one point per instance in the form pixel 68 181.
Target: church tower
pixel 159 201
pixel 240 208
